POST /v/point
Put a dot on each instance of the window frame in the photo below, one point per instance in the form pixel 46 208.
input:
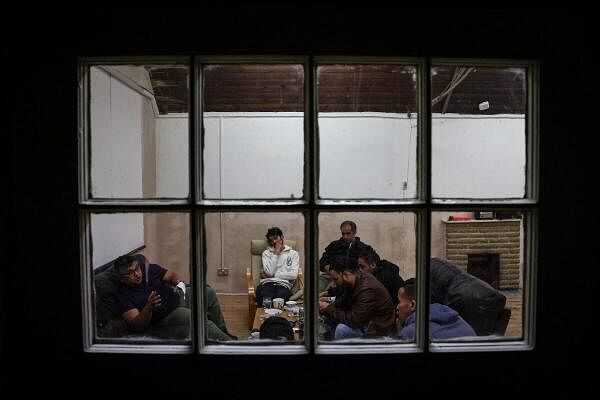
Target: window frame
pixel 310 205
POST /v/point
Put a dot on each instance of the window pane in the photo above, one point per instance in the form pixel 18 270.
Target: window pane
pixel 121 293
pixel 253 131
pixel 354 314
pixel 477 272
pixel 139 131
pixel 235 243
pixel 367 131
pixel 478 132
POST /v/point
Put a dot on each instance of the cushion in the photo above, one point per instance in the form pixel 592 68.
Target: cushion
pixel 108 317
pixel 475 300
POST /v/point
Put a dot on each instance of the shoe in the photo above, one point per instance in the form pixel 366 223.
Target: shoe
pixel 233 337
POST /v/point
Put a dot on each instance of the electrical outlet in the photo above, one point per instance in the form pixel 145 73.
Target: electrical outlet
pixel 222 271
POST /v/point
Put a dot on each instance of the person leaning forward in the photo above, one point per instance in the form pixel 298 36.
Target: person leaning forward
pixel 370 312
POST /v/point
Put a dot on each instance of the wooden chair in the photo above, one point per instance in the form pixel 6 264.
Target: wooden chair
pixel 253 276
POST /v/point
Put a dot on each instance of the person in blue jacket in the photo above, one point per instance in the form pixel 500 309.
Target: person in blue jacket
pixel 445 322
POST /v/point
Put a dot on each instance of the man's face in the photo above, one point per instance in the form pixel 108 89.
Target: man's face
pixel 365 266
pixel 133 276
pixel 347 233
pixel 405 306
pixel 275 239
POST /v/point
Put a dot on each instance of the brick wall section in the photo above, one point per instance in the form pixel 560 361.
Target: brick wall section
pixel 494 236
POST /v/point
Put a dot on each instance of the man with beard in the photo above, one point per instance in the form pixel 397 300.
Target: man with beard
pixel 368 309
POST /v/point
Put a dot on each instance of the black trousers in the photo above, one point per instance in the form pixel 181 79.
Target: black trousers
pixel 272 290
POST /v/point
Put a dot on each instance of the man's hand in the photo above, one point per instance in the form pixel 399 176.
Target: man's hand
pixel 153 301
pixel 323 305
pixel 263 275
pixel 278 245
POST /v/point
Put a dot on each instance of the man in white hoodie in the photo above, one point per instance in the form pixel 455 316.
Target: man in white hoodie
pixel 280 268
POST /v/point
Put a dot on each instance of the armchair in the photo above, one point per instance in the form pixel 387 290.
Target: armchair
pixel 253 276
pixel 482 306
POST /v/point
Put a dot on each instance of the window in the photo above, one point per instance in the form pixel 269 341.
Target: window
pixel 427 167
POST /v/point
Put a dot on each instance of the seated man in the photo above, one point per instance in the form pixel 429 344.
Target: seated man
pixel 348 245
pixel 445 323
pixel 386 272
pixel 151 297
pixel 280 268
pixel 369 312
pixel 337 292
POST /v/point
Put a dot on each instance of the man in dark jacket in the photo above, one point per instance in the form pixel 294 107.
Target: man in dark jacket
pixel 349 245
pixel 370 312
pixel 445 322
pixel 385 271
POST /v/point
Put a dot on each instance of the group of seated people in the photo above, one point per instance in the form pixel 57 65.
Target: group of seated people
pixel 365 297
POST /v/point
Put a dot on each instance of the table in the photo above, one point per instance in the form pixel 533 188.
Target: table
pixel 259 318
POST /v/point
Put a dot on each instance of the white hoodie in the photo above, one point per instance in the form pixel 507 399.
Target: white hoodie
pixel 281 269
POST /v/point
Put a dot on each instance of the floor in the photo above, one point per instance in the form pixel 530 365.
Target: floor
pixel 235 312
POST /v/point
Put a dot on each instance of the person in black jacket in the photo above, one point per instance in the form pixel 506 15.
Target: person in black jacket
pixel 349 245
pixel 385 271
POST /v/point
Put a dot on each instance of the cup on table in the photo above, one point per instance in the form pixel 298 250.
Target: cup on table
pixel 267 302
pixel 292 307
pixel 278 302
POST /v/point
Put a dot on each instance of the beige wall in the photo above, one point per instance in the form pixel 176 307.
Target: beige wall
pixel 392 235
pixel 167 239
pixel 228 237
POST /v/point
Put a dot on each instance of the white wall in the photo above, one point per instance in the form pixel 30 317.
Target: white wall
pixel 116 137
pixel 367 155
pixel 253 155
pixel 114 235
pixel 363 155
pixel 172 155
pixel 478 156
pixel 116 121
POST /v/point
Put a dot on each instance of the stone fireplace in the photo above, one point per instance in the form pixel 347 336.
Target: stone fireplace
pixel 488 249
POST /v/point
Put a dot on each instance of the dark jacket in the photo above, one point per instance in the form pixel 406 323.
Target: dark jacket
pixel 445 323
pixel 370 308
pixel 341 248
pixel 389 275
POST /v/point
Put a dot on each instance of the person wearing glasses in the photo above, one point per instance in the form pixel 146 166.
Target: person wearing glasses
pixel 280 264
pixel 151 296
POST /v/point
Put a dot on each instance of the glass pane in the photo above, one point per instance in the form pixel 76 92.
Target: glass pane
pixel 125 308
pixel 244 270
pixel 139 131
pixel 478 132
pixel 253 131
pixel 477 265
pixel 359 251
pixel 367 131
